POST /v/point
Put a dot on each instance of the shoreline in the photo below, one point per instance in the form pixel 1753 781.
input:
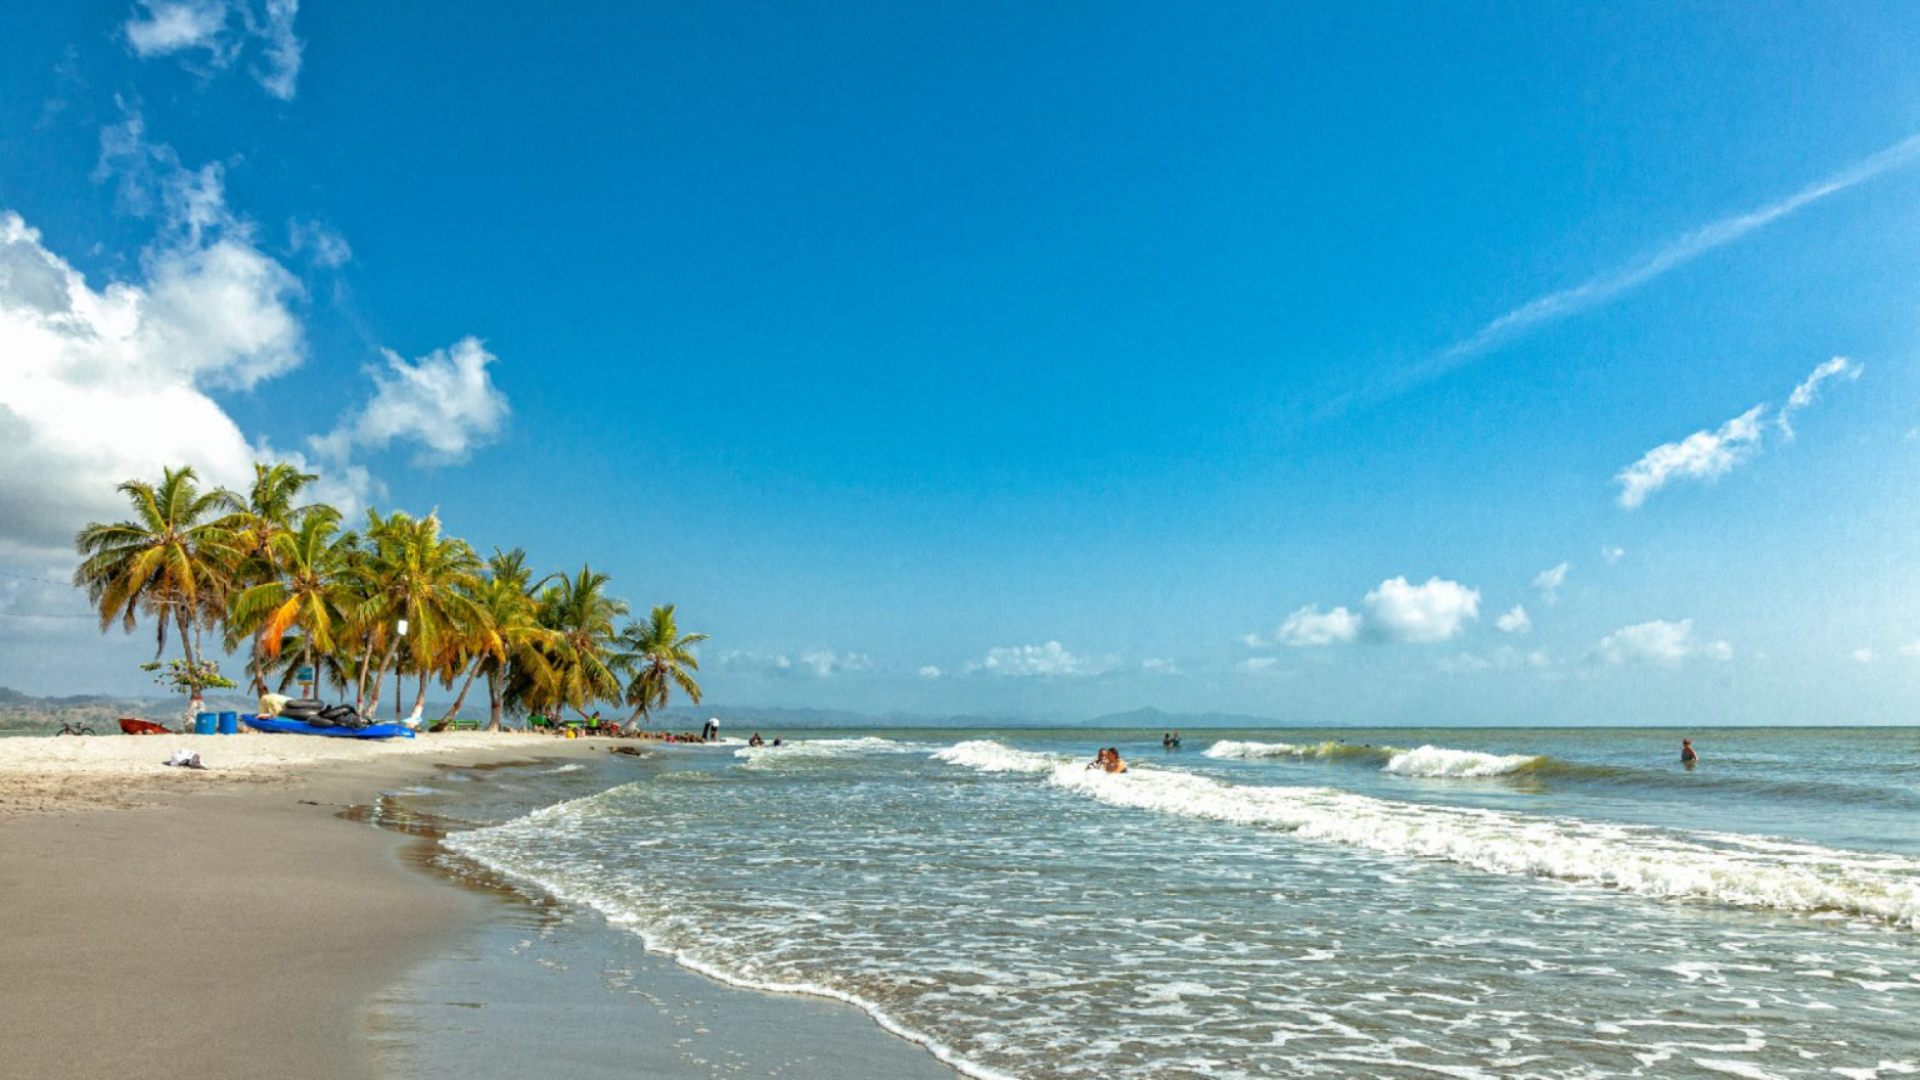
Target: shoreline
pixel 240 922
pixel 227 923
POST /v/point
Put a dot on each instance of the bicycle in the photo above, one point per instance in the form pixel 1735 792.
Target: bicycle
pixel 67 727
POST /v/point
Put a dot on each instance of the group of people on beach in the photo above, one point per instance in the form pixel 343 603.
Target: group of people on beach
pixel 1109 759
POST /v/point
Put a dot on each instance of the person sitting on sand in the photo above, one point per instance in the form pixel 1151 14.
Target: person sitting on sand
pixel 1687 756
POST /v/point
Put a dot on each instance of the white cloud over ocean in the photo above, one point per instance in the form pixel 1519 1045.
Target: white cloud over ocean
pixel 1050 660
pixel 1395 610
pixel 1434 611
pixel 1667 644
pixel 1705 456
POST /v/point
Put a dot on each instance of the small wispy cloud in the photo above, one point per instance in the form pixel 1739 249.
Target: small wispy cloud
pixel 1548 581
pixel 1803 394
pixel 1708 455
pixel 221 29
pixel 1516 621
pixel 1051 660
pixel 1667 644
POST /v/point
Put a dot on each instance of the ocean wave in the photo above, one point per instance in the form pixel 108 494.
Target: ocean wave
pixel 986 755
pixel 1642 860
pixel 1438 761
pixel 1328 750
pixel 818 749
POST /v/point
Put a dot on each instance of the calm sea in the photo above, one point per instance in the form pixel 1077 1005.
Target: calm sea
pixel 1390 903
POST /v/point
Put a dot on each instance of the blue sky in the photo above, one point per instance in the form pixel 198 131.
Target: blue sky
pixel 1020 359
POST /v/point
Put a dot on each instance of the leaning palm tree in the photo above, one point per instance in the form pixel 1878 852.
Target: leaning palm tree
pixel 172 560
pixel 580 615
pixel 660 658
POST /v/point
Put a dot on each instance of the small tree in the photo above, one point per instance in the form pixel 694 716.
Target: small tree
pixel 189 677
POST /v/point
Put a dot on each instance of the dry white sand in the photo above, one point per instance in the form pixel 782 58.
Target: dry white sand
pixel 39 774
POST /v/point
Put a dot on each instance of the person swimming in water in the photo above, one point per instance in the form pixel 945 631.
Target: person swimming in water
pixel 1687 756
pixel 1099 760
pixel 1114 764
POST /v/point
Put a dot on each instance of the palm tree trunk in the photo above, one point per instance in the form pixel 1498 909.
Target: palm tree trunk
pixel 420 696
pixel 360 680
pixel 493 700
pixel 464 687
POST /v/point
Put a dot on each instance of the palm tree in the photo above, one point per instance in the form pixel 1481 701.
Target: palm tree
pixel 660 658
pixel 411 573
pixel 580 615
pixel 173 560
pixel 513 638
pixel 268 512
pixel 304 595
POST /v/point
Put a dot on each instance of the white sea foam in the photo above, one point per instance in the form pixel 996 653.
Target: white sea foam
pixel 815 749
pixel 1634 859
pixel 1438 761
pixel 989 756
pixel 590 886
pixel 1231 748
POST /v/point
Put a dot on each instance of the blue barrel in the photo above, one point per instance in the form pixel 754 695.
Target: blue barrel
pixel 206 723
pixel 229 723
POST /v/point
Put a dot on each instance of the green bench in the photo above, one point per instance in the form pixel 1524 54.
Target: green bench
pixel 466 725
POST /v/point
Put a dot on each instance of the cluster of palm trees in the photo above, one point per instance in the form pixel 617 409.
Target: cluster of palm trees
pixel 281 582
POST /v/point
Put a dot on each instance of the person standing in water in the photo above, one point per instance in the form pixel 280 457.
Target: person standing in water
pixel 1687 756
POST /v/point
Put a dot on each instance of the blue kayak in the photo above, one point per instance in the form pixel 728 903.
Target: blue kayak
pixel 298 727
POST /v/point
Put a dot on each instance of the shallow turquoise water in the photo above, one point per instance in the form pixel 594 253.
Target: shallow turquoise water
pixel 1272 903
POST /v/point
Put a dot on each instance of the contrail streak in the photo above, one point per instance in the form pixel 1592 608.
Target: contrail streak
pixel 1555 306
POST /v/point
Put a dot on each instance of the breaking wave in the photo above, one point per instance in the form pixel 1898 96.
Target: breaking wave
pixel 1724 868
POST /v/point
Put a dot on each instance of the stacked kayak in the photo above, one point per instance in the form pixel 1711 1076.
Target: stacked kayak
pixel 281 725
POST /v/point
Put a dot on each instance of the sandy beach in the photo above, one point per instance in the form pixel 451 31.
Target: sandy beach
pixel 230 922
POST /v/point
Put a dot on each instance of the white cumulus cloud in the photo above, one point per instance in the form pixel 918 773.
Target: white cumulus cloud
pixel 1659 642
pixel 1515 621
pixel 1310 627
pixel 1434 611
pixel 444 401
pixel 1039 661
pixel 928 671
